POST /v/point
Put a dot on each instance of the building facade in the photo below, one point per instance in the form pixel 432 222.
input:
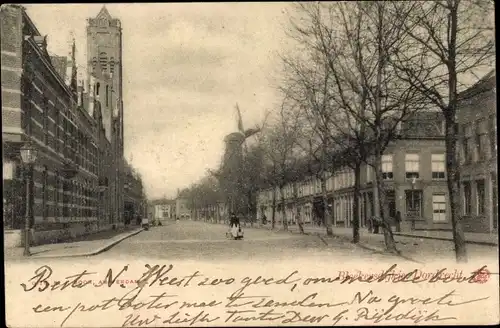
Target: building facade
pixel 162 209
pixel 477 121
pixel 77 180
pixel 413 170
pixel 104 67
pixel 40 104
pixel 135 203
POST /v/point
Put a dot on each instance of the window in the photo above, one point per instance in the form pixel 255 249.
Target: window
pixel 467 198
pixel 387 173
pixel 480 195
pixel 111 65
pixel 413 203
pixel 46 121
pixel 369 177
pixel 107 96
pixel 98 86
pixel 467 144
pixel 481 136
pixel 56 195
pixel 44 193
pixel 438 166
pixel 492 135
pixel 412 164
pixel 439 208
pixel 103 60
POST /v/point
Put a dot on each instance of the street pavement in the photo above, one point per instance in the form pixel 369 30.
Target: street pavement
pixel 195 240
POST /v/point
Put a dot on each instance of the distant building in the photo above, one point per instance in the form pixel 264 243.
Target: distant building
pixel 182 209
pixel 162 209
pixel 477 121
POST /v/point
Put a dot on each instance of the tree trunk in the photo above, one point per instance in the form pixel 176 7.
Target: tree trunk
pixel 326 211
pixel 283 209
pixel 273 215
pixel 451 142
pixel 454 192
pixel 356 207
pixel 380 207
pixel 298 219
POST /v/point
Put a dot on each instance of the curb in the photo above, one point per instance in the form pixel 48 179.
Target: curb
pixel 364 246
pixel 92 253
pixel 483 243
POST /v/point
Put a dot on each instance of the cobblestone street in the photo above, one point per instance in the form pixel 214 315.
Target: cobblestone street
pixel 192 240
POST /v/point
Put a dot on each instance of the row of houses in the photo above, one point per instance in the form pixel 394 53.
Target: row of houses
pixel 414 175
pixel 77 184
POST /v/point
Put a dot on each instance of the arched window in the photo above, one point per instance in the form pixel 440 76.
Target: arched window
pixel 103 60
pixel 107 96
pixel 111 65
pixel 98 86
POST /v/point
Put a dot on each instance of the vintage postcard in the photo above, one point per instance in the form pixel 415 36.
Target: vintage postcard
pixel 250 164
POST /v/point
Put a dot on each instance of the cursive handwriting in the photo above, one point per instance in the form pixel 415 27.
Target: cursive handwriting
pixel 413 315
pixel 79 280
pixel 257 302
pixel 249 281
pixel 446 299
pixel 45 272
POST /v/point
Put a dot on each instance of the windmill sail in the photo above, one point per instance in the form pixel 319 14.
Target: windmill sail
pixel 240 120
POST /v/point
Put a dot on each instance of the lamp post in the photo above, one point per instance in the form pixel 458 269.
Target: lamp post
pixel 29 154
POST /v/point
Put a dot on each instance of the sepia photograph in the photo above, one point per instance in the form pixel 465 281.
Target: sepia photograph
pixel 250 164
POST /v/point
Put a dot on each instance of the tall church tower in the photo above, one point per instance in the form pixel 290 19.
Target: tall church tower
pixel 104 67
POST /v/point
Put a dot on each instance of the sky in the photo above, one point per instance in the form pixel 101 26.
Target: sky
pixel 185 66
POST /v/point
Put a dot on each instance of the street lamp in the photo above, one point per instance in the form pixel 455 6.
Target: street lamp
pixel 29 154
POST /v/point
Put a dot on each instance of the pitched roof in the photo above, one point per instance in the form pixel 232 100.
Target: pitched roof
pixel 104 13
pixel 60 63
pixel 486 83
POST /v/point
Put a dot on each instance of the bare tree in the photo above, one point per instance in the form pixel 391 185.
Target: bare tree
pixel 353 42
pixel 451 43
pixel 280 151
pixel 307 89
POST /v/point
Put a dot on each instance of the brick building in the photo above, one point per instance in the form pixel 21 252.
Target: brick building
pixel 134 195
pixel 414 179
pixel 40 103
pixel 104 67
pixel 77 179
pixel 477 121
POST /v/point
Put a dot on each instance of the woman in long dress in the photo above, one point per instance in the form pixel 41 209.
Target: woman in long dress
pixel 234 224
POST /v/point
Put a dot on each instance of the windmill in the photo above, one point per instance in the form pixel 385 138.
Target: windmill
pixel 248 133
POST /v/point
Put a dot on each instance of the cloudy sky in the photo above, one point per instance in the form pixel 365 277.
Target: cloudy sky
pixel 185 66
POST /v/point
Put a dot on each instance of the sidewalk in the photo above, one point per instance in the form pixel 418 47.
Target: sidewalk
pixel 86 246
pixel 471 238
